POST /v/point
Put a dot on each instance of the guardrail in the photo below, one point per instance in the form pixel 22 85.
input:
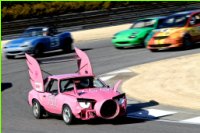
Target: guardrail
pixel 94 19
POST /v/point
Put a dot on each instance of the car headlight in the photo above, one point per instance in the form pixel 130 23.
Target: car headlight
pixel 121 101
pixel 133 35
pixel 85 104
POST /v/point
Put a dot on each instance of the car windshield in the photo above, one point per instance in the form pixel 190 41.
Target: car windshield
pixel 33 32
pixel 144 23
pixel 81 83
pixel 175 21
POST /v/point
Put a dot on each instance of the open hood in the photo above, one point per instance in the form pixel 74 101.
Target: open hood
pixel 35 73
pixel 84 65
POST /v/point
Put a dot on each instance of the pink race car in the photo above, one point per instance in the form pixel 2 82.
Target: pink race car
pixel 79 95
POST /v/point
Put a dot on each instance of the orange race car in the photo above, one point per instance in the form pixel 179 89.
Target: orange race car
pixel 178 30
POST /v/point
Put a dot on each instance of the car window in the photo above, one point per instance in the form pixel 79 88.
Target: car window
pixel 88 82
pixel 144 23
pixel 66 85
pixel 52 31
pixel 32 32
pixel 173 21
pixel 83 83
pixel 98 84
pixel 52 86
pixel 195 19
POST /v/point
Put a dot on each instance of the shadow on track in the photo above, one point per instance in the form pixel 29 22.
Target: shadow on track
pixel 131 108
pixel 195 46
pixel 128 48
pixel 53 53
pixel 5 86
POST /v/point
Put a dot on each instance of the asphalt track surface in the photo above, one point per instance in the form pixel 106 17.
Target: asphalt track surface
pixel 17 115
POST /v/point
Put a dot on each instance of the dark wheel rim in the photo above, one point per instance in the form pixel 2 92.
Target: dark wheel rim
pixel 38 51
pixel 36 109
pixel 187 41
pixel 10 57
pixel 67 46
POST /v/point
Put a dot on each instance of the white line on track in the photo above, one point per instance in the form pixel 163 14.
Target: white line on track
pixel 105 78
pixel 195 120
pixel 119 71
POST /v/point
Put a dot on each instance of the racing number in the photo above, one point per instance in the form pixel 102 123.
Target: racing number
pixel 52 101
pixel 38 86
pixel 55 41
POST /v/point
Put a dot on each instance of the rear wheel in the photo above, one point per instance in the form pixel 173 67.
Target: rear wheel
pixel 67 115
pixel 37 110
pixel 67 46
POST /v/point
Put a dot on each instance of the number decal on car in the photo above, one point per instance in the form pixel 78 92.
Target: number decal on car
pixel 38 86
pixel 52 101
pixel 55 42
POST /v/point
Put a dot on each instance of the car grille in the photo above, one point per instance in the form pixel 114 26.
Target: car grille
pixel 160 37
pixel 14 52
pixel 122 42
pixel 159 45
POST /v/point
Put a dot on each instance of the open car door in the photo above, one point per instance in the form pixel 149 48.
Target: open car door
pixel 35 73
pixel 84 64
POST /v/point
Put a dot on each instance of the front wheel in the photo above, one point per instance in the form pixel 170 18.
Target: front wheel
pixel 38 51
pixel 187 42
pixel 10 56
pixel 67 115
pixel 67 46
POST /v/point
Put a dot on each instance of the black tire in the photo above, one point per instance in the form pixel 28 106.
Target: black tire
pixel 37 110
pixel 38 51
pixel 119 47
pixel 153 50
pixel 10 56
pixel 187 42
pixel 67 115
pixel 67 46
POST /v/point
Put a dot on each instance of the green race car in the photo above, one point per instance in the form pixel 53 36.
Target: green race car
pixel 135 36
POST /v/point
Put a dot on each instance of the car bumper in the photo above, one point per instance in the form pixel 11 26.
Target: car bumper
pixel 18 51
pixel 128 43
pixel 168 45
pixel 86 114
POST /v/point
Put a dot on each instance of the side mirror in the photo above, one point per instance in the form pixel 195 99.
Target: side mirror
pixel 192 22
pixel 54 93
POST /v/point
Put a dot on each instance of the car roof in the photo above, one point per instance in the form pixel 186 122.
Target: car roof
pixel 156 17
pixel 29 28
pixel 186 12
pixel 69 76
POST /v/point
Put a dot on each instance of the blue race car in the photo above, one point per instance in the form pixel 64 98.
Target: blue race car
pixel 36 40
